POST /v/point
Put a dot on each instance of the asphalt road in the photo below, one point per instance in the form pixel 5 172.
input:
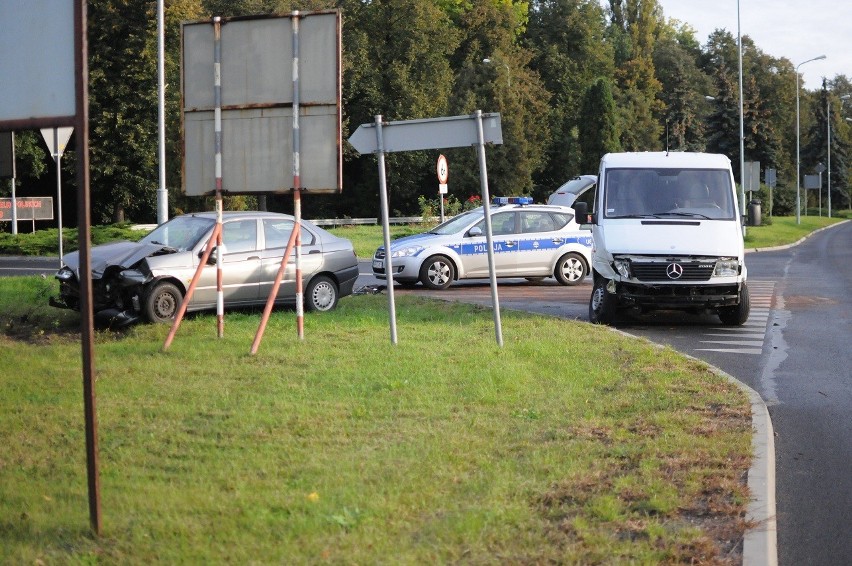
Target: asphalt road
pixel 794 351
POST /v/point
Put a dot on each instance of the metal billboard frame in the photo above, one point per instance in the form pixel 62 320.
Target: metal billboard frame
pixel 258 73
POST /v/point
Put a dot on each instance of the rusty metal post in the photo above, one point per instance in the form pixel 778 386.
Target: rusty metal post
pixel 201 264
pixel 87 318
pixel 297 182
pixel 270 301
pixel 217 132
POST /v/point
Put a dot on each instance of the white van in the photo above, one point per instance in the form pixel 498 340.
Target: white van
pixel 667 235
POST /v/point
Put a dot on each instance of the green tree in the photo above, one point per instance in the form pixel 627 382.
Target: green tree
pixel 570 52
pixel 633 29
pixel 122 110
pixel 598 128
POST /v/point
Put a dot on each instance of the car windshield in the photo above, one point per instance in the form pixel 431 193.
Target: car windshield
pixel 643 193
pixel 181 233
pixel 458 223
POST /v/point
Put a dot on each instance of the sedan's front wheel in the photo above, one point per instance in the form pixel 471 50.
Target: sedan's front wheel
pixel 162 302
pixel 437 273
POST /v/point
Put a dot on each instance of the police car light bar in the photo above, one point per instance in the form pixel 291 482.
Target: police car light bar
pixel 511 200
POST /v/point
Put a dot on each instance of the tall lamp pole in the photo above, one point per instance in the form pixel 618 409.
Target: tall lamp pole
pixel 798 161
pixel 843 99
pixel 742 134
pixel 162 193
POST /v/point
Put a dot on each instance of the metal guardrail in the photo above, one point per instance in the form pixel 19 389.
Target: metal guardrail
pixel 359 221
pixel 340 221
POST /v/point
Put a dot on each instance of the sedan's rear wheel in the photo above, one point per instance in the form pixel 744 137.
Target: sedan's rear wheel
pixel 437 272
pixel 322 294
pixel 162 302
pixel 571 269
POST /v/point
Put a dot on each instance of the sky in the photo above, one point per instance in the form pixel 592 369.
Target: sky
pixel 795 29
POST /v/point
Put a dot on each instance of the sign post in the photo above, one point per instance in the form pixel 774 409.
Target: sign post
pixel 820 169
pixel 7 169
pixel 474 130
pixel 443 174
pixel 56 140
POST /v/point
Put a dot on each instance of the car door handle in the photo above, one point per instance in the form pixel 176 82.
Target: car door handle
pixel 257 257
pixel 313 252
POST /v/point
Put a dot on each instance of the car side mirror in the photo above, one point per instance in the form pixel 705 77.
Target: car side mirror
pixel 581 213
pixel 474 232
pixel 211 259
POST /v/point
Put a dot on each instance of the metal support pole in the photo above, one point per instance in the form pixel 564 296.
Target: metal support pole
pixel 217 132
pixel 742 134
pixel 483 182
pixel 58 157
pixel 297 182
pixel 828 151
pixel 14 201
pixel 383 196
pixel 162 193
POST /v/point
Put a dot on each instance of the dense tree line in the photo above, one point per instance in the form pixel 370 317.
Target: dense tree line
pixel 572 79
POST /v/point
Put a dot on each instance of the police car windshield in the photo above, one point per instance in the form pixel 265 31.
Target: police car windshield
pixel 458 223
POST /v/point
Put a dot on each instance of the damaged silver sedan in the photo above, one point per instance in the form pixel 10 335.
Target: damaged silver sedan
pixel 149 279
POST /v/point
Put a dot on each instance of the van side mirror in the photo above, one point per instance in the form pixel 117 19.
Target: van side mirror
pixel 581 212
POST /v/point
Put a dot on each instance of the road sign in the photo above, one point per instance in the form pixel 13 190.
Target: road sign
pixel 813 181
pixel 429 133
pixel 52 136
pixel 28 208
pixel 769 177
pixel 820 168
pixel 443 170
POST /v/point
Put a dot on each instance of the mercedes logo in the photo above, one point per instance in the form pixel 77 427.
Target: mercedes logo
pixel 674 271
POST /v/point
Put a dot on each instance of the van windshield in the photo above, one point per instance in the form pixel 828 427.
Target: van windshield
pixel 655 193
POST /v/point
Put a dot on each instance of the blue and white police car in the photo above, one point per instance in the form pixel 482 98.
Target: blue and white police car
pixel 532 241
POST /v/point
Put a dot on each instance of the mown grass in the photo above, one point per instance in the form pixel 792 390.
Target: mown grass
pixel 343 448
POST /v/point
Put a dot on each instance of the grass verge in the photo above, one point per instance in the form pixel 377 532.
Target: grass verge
pixel 784 230
pixel 343 448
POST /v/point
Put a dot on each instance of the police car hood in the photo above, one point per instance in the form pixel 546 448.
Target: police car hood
pixel 123 254
pixel 699 237
pixel 413 239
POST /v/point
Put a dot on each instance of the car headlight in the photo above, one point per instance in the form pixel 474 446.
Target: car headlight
pixel 622 266
pixel 64 274
pixel 726 268
pixel 407 251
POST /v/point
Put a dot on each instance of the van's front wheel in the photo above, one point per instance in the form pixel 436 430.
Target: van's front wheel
pixel 602 303
pixel 736 315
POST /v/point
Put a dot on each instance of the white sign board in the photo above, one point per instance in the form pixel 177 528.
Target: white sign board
pixel 37 74
pixel 428 133
pixel 257 100
pixel 56 140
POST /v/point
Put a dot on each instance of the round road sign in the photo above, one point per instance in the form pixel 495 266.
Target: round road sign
pixel 443 170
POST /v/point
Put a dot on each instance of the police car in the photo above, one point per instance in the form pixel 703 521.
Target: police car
pixel 529 240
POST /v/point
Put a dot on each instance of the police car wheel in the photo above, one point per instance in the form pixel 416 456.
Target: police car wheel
pixel 570 269
pixel 437 273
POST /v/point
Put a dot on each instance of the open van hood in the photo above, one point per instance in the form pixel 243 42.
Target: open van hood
pixel 667 237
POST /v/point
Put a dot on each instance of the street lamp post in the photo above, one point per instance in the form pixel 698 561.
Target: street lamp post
pixel 742 134
pixel 798 162
pixel 843 99
pixel 488 61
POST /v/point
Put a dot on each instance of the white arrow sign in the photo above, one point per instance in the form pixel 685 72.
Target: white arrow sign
pixel 430 133
pixel 56 139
